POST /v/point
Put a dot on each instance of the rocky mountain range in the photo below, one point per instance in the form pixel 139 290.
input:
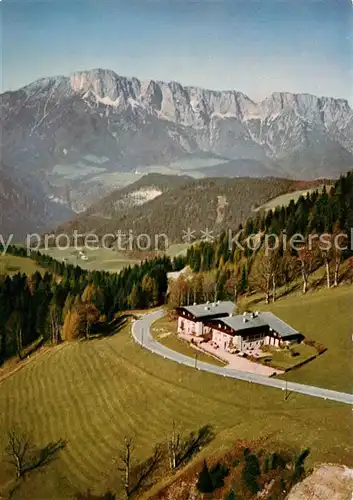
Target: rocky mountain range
pixel 80 137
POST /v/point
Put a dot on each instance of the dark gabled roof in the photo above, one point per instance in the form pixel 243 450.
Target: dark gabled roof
pixel 263 319
pixel 213 309
pixel 278 325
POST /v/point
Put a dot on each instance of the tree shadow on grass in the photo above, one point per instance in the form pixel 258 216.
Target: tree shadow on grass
pixel 143 473
pixel 347 276
pixel 46 455
pixel 290 289
pixel 103 329
pixel 193 443
pixel 27 458
pixel 88 495
pixel 318 282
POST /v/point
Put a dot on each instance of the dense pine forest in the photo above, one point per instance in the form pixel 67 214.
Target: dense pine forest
pixel 316 213
pixel 215 203
pixel 257 261
pixel 67 302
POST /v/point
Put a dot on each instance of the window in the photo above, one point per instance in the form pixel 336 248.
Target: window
pixel 257 336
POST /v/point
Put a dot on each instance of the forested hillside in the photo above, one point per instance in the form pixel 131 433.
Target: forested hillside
pixel 116 205
pixel 67 302
pixel 213 203
pixel 258 262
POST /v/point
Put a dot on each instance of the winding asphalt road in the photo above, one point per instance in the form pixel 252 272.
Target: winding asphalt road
pixel 142 335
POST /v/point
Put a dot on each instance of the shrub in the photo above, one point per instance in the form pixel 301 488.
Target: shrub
pixel 312 343
pixel 276 461
pixel 299 464
pixel 204 483
pixel 266 464
pixel 210 480
pixel 218 473
pixel 250 473
pixel 309 342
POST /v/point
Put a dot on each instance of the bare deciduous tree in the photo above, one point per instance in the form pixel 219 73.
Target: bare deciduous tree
pixel 137 474
pixel 183 448
pixel 54 327
pixel 19 451
pixel 196 283
pixel 306 260
pixel 142 474
pixel 25 457
pixel 337 253
pixel 173 447
pixel 326 252
pixel 210 285
pixel 261 276
pixel 126 459
pixel 193 443
pixel 233 283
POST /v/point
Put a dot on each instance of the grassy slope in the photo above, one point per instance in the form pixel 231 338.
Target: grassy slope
pixel 177 249
pixel 283 358
pixel 284 199
pixel 165 326
pixel 324 316
pixel 99 259
pixel 95 393
pixel 11 264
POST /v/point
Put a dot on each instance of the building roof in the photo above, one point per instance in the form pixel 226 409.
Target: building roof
pixel 278 325
pixel 256 320
pixel 212 309
pixel 242 322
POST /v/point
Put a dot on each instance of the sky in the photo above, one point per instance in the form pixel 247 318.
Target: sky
pixel 255 46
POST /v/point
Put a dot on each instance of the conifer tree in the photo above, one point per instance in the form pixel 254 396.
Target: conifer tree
pixel 204 482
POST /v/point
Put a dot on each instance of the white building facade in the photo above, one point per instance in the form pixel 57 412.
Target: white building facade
pixel 235 333
pixel 192 319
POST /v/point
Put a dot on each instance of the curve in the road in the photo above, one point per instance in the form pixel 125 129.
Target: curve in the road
pixel 142 335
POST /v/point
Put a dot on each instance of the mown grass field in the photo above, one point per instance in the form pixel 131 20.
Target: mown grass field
pixel 284 199
pixel 177 249
pixel 283 359
pixel 164 331
pixel 327 317
pixel 98 259
pixel 95 393
pixel 11 264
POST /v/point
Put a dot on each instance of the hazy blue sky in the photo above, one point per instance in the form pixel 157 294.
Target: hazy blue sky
pixel 252 45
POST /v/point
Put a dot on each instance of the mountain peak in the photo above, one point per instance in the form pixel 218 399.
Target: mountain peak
pixel 124 124
pixel 105 84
